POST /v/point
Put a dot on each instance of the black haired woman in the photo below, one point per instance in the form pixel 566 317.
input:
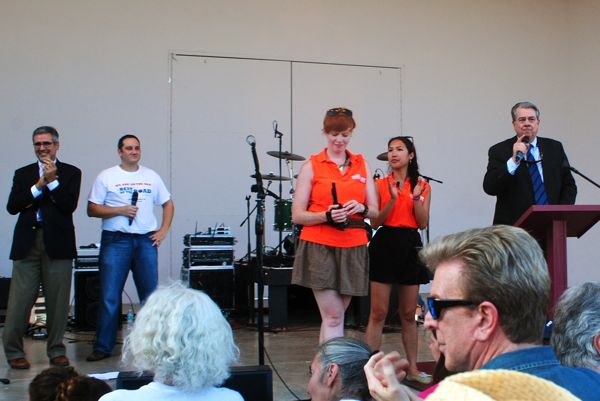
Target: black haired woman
pixel 404 201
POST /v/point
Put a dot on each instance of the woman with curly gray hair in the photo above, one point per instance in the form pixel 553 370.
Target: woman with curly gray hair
pixel 182 337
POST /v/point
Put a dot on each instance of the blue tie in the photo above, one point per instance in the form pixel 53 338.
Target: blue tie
pixel 539 191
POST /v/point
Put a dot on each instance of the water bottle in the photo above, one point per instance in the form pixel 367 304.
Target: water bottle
pixel 130 319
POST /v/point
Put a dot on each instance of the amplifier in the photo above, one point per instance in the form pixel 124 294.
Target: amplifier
pixel 214 236
pixel 216 281
pixel 87 257
pixel 213 255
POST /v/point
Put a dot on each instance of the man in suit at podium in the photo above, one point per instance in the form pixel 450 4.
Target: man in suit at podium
pixel 44 194
pixel 527 170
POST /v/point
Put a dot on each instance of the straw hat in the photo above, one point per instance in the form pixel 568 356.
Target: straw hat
pixel 498 385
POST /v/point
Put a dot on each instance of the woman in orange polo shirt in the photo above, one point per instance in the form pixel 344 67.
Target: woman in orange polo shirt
pixel 404 201
pixel 334 193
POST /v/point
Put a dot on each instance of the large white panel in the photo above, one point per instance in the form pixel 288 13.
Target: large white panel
pixel 217 103
pixel 372 93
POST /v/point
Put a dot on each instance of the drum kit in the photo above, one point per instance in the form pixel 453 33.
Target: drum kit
pixel 283 207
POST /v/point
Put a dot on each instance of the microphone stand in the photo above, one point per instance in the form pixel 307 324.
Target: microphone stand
pixel 426 178
pixel 279 136
pixel 259 228
pixel 573 169
pixel 248 214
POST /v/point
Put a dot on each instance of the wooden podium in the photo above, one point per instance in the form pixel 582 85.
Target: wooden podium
pixel 552 224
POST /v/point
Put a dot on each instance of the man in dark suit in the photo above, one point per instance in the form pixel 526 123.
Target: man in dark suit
pixel 45 195
pixel 526 170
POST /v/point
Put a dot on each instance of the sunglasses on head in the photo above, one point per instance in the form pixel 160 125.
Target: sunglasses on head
pixel 437 305
pixel 339 110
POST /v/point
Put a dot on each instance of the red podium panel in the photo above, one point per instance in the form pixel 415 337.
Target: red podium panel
pixel 553 224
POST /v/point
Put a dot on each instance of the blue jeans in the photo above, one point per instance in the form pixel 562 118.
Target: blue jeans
pixel 119 253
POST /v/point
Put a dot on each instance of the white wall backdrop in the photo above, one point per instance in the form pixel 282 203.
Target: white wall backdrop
pixel 98 70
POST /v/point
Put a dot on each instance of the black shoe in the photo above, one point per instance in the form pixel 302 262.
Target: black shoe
pixel 97 356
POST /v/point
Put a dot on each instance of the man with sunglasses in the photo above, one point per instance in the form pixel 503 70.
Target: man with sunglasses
pixel 527 170
pixel 489 301
pixel 44 194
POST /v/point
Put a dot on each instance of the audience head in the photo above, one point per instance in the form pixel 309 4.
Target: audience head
pixel 337 370
pixel 181 336
pixel 82 388
pixel 490 285
pixel 576 330
pixel 45 385
pixel 338 119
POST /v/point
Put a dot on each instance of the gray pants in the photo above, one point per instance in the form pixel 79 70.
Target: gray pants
pixel 27 274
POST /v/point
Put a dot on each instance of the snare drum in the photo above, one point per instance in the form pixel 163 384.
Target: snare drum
pixel 283 215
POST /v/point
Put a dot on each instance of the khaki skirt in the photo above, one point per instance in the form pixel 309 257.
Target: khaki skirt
pixel 321 267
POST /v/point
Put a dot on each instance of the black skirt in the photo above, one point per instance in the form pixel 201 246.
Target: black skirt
pixel 394 257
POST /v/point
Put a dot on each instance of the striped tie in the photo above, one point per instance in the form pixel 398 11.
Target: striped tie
pixel 539 191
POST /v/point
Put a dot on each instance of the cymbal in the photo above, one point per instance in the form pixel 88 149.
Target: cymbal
pixel 285 155
pixel 272 177
pixel 382 156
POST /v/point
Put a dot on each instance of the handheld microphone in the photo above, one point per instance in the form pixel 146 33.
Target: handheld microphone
pixel 520 154
pixel 134 199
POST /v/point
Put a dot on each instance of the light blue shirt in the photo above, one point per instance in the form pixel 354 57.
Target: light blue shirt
pixel 511 166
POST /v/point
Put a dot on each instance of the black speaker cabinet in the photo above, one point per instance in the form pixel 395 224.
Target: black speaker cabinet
pixel 4 290
pixel 254 383
pixel 87 299
pixel 216 282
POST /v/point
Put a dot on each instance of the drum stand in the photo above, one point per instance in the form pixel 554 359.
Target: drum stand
pixel 428 179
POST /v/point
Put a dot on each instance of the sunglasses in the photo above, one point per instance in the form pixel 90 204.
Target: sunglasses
pixel 339 110
pixel 437 305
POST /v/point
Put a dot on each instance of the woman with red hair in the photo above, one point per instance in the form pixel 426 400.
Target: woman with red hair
pixel 334 194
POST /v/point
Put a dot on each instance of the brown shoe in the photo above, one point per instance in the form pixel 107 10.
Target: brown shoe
pixel 60 360
pixel 97 356
pixel 19 363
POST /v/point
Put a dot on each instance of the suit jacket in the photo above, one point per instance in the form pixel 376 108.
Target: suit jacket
pixel 515 192
pixel 56 207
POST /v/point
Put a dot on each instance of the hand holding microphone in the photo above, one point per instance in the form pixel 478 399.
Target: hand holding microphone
pixel 520 148
pixel 134 199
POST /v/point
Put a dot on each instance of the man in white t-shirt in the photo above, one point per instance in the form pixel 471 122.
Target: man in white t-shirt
pixel 124 197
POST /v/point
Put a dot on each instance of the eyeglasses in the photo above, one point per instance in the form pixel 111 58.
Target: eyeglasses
pixel 436 305
pixel 339 110
pixel 42 144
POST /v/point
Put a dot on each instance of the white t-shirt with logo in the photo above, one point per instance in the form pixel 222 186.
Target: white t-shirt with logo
pixel 115 186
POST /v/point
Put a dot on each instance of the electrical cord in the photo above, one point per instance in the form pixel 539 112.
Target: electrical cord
pixel 279 376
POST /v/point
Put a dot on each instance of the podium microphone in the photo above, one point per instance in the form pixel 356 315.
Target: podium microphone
pixel 134 199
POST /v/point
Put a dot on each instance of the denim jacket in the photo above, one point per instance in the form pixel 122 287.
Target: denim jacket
pixel 541 361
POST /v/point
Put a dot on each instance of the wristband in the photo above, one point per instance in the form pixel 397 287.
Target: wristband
pixel 329 218
pixel 418 198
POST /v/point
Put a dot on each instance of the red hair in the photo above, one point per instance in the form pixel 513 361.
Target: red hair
pixel 338 122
